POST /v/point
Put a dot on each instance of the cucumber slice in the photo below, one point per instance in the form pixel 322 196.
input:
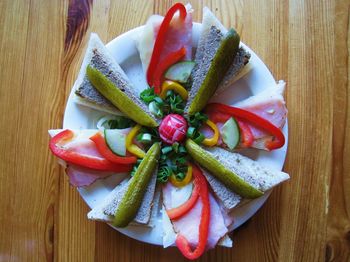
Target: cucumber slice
pixel 115 140
pixel 145 138
pixel 180 72
pixel 230 133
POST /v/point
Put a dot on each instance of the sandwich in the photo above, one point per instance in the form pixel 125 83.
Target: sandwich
pixel 98 57
pixel 212 32
pixel 269 104
pixel 188 224
pixel 106 209
pixel 219 60
pixel 222 200
pixel 252 172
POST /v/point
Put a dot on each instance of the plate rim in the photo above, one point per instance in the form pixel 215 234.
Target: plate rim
pixel 261 201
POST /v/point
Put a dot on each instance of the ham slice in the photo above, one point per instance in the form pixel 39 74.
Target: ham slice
pixel 81 176
pixel 188 225
pixel 179 35
pixel 268 104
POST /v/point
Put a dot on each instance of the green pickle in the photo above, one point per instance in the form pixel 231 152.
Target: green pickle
pixel 118 98
pixel 226 176
pixel 132 199
pixel 221 62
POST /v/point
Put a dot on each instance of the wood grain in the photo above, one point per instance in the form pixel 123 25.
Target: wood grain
pixel 305 43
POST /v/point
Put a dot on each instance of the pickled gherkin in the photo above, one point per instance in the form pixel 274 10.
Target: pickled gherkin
pixel 132 199
pixel 118 98
pixel 221 62
pixel 226 176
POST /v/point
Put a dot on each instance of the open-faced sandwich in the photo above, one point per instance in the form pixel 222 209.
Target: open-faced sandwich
pixel 179 151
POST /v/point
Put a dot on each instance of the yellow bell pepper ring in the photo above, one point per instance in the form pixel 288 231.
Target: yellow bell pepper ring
pixel 187 179
pixel 130 146
pixel 176 87
pixel 212 141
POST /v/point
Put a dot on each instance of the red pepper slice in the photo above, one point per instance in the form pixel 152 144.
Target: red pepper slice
pixel 104 150
pixel 218 117
pixel 181 210
pixel 181 242
pixel 253 119
pixel 168 61
pixel 76 158
pixel 160 40
pixel 246 133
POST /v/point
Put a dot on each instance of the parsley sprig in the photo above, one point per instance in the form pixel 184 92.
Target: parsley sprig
pixel 173 160
pixel 173 103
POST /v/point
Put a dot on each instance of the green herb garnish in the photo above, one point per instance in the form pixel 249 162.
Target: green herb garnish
pixel 197 119
pixel 148 95
pixel 120 122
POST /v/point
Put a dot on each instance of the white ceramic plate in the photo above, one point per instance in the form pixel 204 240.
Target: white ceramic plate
pixel 124 51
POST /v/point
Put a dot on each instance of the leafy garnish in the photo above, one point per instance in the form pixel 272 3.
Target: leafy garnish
pixel 119 122
pixel 148 95
pixel 173 160
pixel 163 174
pixel 173 103
pixel 197 119
pixel 134 169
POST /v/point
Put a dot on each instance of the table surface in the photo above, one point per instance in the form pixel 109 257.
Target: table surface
pixel 305 43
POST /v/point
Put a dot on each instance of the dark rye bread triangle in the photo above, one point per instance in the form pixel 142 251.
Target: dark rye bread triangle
pixel 105 210
pixel 236 69
pixel 99 57
pixel 144 213
pixel 201 68
pixel 251 171
pixel 228 198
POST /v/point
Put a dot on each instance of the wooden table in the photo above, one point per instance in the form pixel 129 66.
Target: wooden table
pixel 305 43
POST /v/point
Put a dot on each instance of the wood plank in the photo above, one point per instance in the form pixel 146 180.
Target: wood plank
pixel 338 223
pixel 30 102
pixel 305 43
pixel 310 69
pixel 13 52
pixel 75 239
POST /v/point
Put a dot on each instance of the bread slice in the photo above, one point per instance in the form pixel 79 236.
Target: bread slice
pixel 228 198
pixel 99 57
pixel 252 172
pixel 105 210
pixel 84 93
pixel 212 33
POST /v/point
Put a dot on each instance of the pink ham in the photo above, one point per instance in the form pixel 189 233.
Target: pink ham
pixel 80 176
pixel 179 35
pixel 188 225
pixel 268 104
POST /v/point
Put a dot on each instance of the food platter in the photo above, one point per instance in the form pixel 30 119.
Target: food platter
pixel 124 51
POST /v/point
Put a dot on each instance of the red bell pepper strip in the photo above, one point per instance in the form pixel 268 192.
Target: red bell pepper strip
pixel 104 150
pixel 160 40
pixel 246 133
pixel 93 162
pixel 168 61
pixel 181 210
pixel 181 242
pixel 218 117
pixel 253 119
